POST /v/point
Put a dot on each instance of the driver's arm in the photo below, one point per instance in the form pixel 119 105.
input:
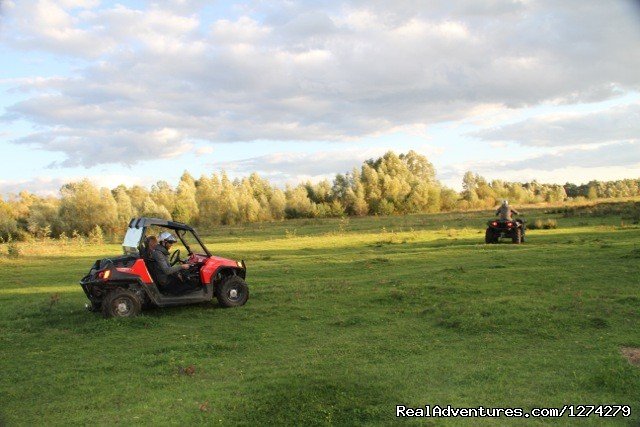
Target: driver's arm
pixel 515 211
pixel 164 265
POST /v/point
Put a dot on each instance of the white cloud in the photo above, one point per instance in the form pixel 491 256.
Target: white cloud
pixel 202 151
pixel 615 124
pixel 577 164
pixel 89 147
pixel 299 71
pixel 50 186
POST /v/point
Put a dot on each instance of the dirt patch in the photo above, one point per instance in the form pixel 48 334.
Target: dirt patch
pixel 632 355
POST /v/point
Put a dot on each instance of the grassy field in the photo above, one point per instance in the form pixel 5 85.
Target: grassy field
pixel 346 319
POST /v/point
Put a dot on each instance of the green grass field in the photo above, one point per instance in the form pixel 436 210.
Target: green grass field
pixel 346 319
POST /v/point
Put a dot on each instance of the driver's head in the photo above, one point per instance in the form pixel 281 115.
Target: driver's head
pixel 167 239
pixel 505 203
pixel 152 242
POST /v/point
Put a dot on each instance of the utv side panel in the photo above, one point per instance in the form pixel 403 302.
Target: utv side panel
pixel 139 269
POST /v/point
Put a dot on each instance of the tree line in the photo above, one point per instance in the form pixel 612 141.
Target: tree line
pixel 391 184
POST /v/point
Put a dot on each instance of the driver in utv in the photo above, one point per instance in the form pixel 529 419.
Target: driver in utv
pixel 168 277
pixel 504 211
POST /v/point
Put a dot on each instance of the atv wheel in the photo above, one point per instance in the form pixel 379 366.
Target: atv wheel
pixel 517 236
pixel 121 303
pixel 489 237
pixel 232 292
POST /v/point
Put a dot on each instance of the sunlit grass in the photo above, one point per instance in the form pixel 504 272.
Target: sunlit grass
pixel 345 321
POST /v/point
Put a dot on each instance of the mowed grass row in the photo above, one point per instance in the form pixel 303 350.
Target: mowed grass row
pixel 346 319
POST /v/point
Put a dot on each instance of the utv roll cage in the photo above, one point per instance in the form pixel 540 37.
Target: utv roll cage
pixel 145 222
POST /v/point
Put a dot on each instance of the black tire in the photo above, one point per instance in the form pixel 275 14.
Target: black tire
pixel 232 292
pixel 121 303
pixel 517 236
pixel 490 236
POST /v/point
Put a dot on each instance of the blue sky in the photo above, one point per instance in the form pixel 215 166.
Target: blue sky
pixel 134 92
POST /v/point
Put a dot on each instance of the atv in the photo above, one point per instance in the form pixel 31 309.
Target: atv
pixel 497 228
pixel 122 286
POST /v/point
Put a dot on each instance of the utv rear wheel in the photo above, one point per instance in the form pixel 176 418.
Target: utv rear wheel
pixel 121 303
pixel 517 236
pixel 232 292
pixel 488 236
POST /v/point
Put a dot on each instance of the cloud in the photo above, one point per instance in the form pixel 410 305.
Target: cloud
pixel 50 186
pixel 90 147
pixel 300 71
pixel 616 124
pixel 201 151
pixel 615 154
pixel 615 160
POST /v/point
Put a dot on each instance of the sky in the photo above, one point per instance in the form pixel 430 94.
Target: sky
pixel 139 91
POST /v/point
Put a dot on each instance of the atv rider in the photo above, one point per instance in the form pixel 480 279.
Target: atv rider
pixel 504 211
pixel 168 277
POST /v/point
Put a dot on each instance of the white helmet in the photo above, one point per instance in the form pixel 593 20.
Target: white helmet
pixel 165 236
pixel 505 203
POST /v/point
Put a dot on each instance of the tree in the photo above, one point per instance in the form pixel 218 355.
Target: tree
pixel 372 191
pixel 44 218
pixel 448 199
pixel 277 204
pixel 124 207
pixel 153 210
pixel 83 206
pixel 186 207
pixel 8 224
pixel 138 196
pixel 419 167
pixel 469 184
pixel 229 210
pixel 298 203
pixel 163 195
pixel 208 199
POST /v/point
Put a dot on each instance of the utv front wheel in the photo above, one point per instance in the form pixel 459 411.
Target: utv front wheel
pixel 121 303
pixel 232 292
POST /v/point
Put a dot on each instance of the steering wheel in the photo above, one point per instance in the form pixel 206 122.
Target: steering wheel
pixel 175 257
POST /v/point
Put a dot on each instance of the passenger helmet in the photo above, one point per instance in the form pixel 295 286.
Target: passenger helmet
pixel 165 236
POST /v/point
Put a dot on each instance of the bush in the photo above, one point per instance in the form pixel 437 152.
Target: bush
pixel 13 249
pixel 539 224
pixel 96 236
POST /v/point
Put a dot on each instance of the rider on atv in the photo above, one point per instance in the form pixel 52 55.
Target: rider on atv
pixel 168 276
pixel 504 211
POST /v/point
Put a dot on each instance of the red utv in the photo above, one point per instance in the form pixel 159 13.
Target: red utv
pixel 123 285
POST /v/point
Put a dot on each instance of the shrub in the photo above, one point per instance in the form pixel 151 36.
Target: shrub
pixel 547 224
pixel 77 237
pixel 96 236
pixel 535 225
pixel 13 249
